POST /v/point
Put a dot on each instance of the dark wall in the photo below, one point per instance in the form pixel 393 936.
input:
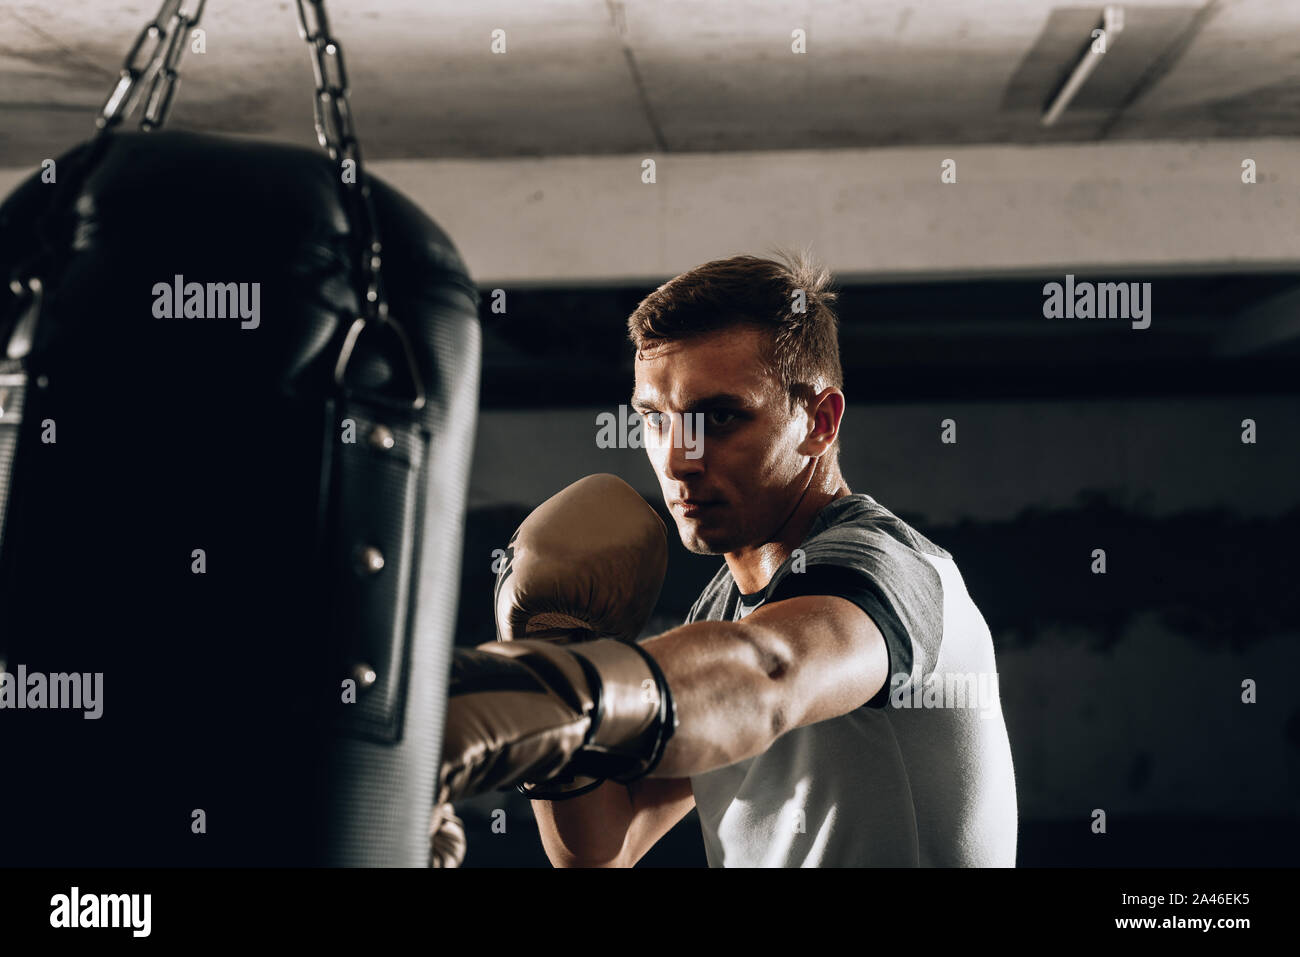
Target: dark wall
pixel 1122 691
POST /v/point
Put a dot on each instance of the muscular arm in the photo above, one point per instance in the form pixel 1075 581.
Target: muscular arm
pixel 740 685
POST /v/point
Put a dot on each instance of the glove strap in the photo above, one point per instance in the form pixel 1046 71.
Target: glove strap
pixel 665 725
pixel 559 789
pixel 623 753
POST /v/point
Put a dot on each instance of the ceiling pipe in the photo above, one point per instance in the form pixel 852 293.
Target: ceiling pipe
pixel 1112 24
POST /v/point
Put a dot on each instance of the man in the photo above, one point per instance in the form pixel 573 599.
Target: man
pixel 790 735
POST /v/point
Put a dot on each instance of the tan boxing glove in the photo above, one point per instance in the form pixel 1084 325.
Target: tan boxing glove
pixel 534 710
pixel 588 563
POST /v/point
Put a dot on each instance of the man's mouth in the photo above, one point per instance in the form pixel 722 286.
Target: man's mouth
pixel 692 507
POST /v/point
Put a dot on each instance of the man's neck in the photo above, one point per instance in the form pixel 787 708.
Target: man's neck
pixel 753 568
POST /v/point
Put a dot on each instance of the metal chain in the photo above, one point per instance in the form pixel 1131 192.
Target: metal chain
pixel 335 132
pixel 167 32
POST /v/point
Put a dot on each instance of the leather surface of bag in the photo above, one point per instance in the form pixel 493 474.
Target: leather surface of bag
pixel 193 508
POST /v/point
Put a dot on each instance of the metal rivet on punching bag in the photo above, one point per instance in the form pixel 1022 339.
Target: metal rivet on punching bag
pixel 370 560
pixel 365 676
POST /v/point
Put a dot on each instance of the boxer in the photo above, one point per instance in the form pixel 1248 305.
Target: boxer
pixel 803 707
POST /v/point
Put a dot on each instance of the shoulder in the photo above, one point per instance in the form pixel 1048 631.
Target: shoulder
pixel 713 596
pixel 859 519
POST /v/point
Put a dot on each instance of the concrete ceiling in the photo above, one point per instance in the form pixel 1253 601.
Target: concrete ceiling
pixel 593 77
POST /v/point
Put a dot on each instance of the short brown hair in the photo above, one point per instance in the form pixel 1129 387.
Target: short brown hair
pixel 746 290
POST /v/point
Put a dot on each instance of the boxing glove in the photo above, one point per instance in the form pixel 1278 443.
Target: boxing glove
pixel 588 563
pixel 534 709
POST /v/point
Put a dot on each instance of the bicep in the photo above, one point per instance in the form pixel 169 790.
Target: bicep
pixel 833 657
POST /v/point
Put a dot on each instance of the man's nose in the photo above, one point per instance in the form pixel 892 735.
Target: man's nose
pixel 683 454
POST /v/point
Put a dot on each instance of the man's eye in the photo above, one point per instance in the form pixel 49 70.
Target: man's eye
pixel 720 417
pixel 653 419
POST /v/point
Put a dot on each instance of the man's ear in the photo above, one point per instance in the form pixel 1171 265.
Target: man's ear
pixel 826 410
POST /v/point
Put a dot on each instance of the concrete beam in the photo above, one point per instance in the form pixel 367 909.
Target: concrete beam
pixel 871 213
pixel 868 214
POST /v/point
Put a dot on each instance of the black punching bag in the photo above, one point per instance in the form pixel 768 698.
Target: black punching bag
pixel 230 516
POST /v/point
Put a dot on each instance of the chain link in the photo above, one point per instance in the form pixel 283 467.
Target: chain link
pixel 167 78
pixel 335 132
pixel 165 37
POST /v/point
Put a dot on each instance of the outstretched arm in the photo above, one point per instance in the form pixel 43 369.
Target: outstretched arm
pixel 740 685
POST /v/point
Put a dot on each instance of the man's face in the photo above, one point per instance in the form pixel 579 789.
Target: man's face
pixel 733 486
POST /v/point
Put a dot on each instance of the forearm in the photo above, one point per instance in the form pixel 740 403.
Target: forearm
pixel 727 685
pixel 586 831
